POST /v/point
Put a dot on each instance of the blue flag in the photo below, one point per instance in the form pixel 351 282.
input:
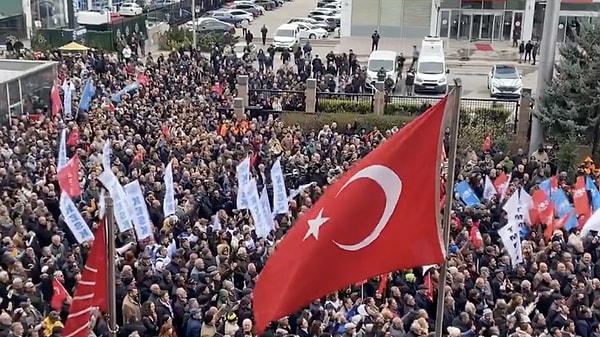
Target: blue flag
pixel 466 194
pixel 590 186
pixel 546 186
pixel 117 97
pixel 563 207
pixel 86 97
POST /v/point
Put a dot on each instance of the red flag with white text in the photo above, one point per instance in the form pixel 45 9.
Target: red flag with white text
pixel 68 178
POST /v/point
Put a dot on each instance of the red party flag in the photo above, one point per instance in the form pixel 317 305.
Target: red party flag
pixel 59 295
pixel 487 144
pixel 142 79
pixel 166 131
pixel 543 206
pixel 580 201
pixel 55 102
pixel 475 235
pixel 91 290
pixel 401 194
pixel 68 178
pixel 73 138
pixel 429 284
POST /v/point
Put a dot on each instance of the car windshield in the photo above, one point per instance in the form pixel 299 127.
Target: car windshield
pixel 506 73
pixel 375 65
pixel 284 33
pixel 430 68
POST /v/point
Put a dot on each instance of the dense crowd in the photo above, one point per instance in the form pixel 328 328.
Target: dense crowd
pixel 204 288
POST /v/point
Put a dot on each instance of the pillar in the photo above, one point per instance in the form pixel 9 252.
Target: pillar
pixel 239 108
pixel 242 82
pixel 527 24
pixel 310 95
pixel 522 117
pixel 379 98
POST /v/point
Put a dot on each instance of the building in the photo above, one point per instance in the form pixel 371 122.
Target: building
pixel 470 20
pixel 25 87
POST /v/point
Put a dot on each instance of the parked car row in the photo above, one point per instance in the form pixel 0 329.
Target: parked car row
pixel 326 15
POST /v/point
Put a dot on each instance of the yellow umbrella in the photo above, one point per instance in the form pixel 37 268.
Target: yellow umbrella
pixel 74 46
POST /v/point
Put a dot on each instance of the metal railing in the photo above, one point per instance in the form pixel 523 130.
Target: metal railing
pixel 291 100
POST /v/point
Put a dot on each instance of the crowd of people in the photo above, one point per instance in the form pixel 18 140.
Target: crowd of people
pixel 183 115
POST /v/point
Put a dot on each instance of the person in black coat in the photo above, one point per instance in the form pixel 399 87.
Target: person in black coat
pixel 150 320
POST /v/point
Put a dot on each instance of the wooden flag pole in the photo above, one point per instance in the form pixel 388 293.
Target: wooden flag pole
pixel 454 96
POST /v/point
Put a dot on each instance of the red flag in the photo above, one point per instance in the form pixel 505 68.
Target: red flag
pixel 142 79
pixel 68 178
pixel 580 201
pixel 73 138
pixel 55 102
pixel 475 235
pixel 383 280
pixel 401 194
pixel 429 284
pixel 59 295
pixel 91 289
pixel 487 144
pixel 166 131
pixel 556 224
pixel 543 206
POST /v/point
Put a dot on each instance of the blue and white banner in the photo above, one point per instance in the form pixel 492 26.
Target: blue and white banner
pixel 68 89
pixel 117 96
pixel 489 191
pixel 280 202
pixel 122 217
pixel 517 210
pixel 243 177
pixel 466 194
pixel 74 220
pixel 595 195
pixel 62 150
pixel 266 216
pixel 253 200
pixel 86 96
pixel 138 210
pixel 562 207
pixel 169 202
pixel 106 151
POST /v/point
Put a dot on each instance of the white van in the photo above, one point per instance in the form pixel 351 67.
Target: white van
pixel 431 73
pixel 287 36
pixel 379 59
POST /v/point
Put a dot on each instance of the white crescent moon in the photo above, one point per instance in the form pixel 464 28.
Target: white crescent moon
pixel 391 185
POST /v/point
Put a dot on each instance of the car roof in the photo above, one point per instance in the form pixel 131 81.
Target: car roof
pixel 504 66
pixel 383 55
pixel 288 26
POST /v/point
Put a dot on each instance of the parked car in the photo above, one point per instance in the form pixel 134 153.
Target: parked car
pixel 329 21
pixel 130 9
pixel 310 21
pixel 322 3
pixel 333 5
pixel 308 31
pixel 212 25
pixel 269 5
pixel 256 10
pixel 504 81
pixel 233 16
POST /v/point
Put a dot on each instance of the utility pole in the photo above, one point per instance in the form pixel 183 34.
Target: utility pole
pixel 194 38
pixel 109 221
pixel 379 16
pixel 546 69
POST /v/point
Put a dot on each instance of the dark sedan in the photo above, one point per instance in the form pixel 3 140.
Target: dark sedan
pixel 209 25
pixel 267 4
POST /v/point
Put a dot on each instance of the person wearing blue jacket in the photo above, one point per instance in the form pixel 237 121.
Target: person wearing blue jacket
pixel 194 324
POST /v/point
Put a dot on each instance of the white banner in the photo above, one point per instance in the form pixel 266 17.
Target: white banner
pixel 243 177
pixel 297 191
pixel 517 207
pixel 74 220
pixel 489 191
pixel 106 151
pixel 138 210
pixel 169 202
pixel 266 215
pixel 68 89
pixel 62 150
pixel 511 238
pixel 121 206
pixel 251 195
pixel 216 224
pixel 280 199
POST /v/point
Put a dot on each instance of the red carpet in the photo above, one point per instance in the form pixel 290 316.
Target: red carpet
pixel 484 47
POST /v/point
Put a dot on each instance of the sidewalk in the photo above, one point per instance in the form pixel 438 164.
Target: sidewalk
pixel 500 51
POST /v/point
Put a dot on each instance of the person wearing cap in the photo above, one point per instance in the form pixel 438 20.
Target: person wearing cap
pixel 230 326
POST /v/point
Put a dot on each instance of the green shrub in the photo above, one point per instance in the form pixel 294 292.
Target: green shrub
pixel 333 105
pixel 177 37
pixel 316 121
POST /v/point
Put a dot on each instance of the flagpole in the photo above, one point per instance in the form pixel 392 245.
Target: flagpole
pixel 454 125
pixel 111 286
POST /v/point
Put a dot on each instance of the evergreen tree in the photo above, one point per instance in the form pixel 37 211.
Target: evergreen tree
pixel 571 108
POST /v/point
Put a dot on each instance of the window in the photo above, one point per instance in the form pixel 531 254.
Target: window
pixel 430 68
pixel 506 72
pixel 285 33
pixel 375 65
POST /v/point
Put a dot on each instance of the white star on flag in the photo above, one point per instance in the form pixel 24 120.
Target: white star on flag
pixel 314 225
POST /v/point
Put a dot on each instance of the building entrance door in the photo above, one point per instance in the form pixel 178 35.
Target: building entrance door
pixel 484 26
